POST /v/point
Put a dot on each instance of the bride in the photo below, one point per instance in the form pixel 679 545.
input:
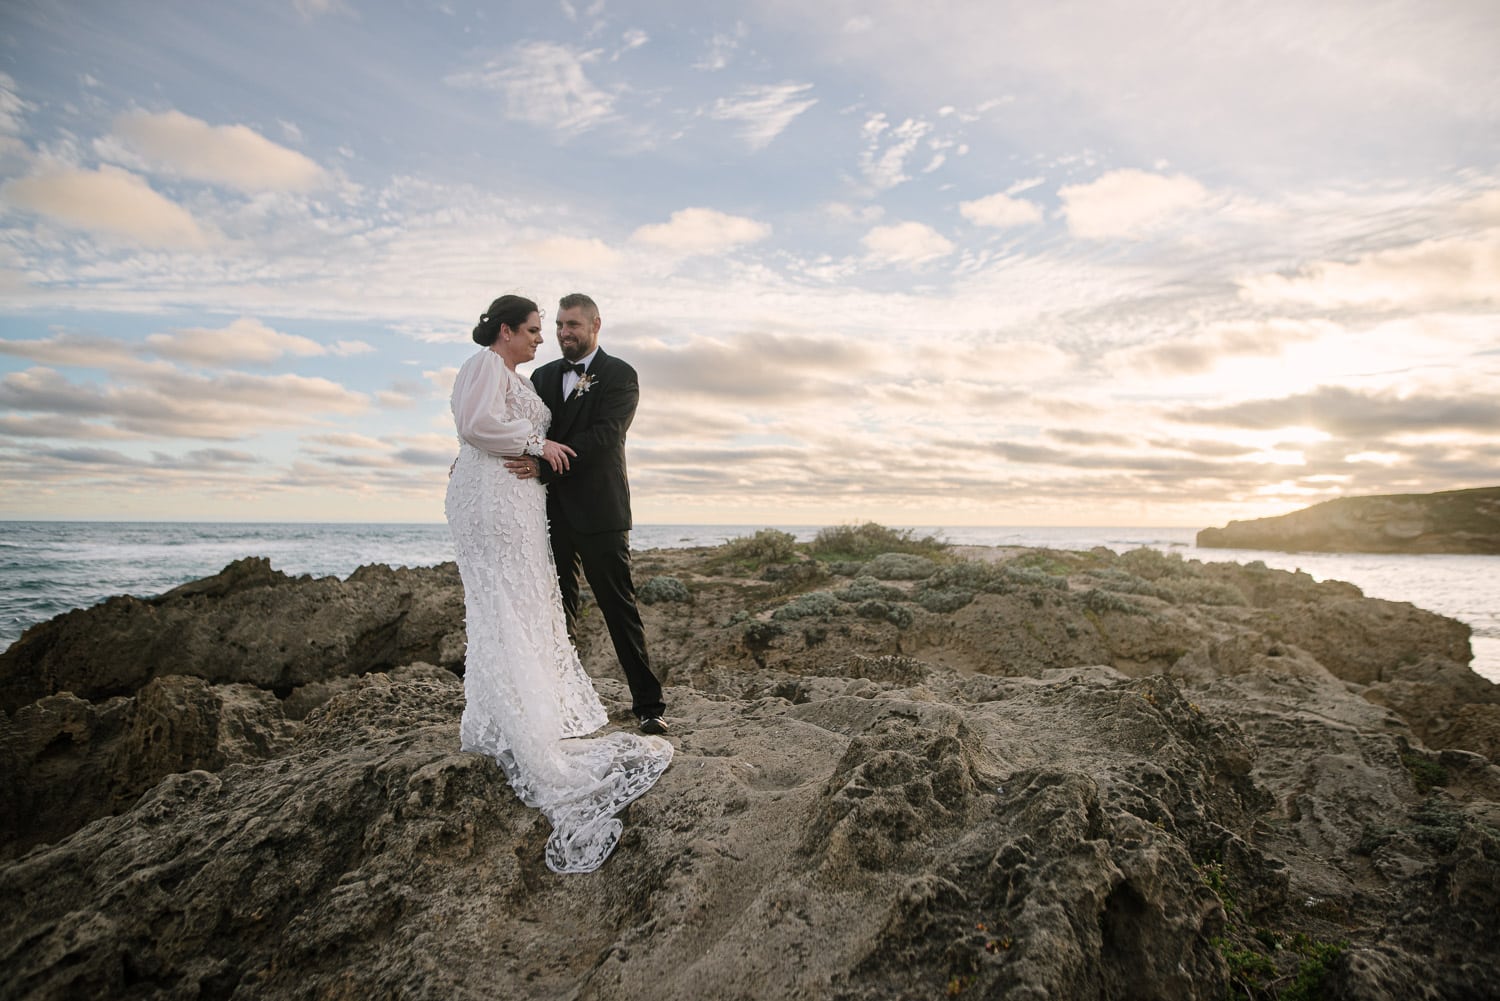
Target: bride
pixel 529 702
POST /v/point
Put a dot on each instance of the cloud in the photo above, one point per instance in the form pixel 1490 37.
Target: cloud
pixel 73 350
pixel 764 366
pixel 12 107
pixel 1203 351
pixel 310 9
pixel 345 439
pixel 1000 210
pixel 632 39
pixel 165 402
pixel 53 426
pixel 1127 203
pixel 1484 208
pixel 390 400
pixel 720 49
pixel 845 213
pixel 244 340
pixel 107 201
pixel 701 231
pixel 1432 273
pixel 886 168
pixel 581 253
pixel 766 110
pixel 1351 413
pixel 906 243
pixel 233 155
pixel 544 85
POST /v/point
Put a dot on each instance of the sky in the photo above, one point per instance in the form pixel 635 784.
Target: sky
pixel 962 262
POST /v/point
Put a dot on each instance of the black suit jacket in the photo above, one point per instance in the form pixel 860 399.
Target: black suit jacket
pixel 594 494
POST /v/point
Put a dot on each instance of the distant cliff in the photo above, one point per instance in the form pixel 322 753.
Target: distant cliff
pixel 1453 521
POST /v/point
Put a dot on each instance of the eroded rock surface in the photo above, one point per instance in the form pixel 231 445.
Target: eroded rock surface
pixel 1050 775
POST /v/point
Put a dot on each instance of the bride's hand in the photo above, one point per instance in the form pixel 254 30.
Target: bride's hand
pixel 557 455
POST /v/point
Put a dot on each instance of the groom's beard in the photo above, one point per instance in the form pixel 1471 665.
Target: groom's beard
pixel 574 350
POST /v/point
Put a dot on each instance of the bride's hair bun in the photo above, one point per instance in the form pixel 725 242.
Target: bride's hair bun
pixel 508 310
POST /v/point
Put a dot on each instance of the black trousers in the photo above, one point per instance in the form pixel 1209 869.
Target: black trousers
pixel 605 559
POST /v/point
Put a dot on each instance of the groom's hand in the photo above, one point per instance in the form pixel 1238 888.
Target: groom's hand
pixel 523 467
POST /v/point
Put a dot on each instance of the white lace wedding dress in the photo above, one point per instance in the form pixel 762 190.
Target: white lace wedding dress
pixel 529 702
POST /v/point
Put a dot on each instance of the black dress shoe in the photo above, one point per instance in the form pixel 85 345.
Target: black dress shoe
pixel 654 725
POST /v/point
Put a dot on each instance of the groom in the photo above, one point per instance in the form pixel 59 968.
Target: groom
pixel 592 396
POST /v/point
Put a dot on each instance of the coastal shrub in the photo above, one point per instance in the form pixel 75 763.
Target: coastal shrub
pixel 900 566
pixel 769 545
pixel 944 599
pixel 760 634
pixel 1153 564
pixel 792 576
pixel 1425 775
pixel 1124 582
pixel 846 568
pixel 1318 959
pixel 897 615
pixel 1033 577
pixel 867 588
pixel 663 589
pixel 989 578
pixel 1201 591
pixel 1053 562
pixel 860 542
pixel 816 604
pixel 1098 600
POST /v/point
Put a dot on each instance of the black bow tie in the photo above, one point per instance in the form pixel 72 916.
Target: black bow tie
pixel 575 367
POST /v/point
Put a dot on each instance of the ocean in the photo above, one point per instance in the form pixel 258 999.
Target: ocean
pixel 50 567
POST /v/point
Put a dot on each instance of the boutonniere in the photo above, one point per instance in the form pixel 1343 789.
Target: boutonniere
pixel 585 381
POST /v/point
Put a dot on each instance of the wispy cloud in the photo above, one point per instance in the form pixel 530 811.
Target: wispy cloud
pixel 887 146
pixel 764 111
pixel 1356 414
pixel 544 84
pixel 1432 274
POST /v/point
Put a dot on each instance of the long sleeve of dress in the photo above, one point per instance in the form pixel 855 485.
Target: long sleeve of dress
pixel 480 411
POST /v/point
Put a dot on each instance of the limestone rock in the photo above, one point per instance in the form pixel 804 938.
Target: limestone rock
pixel 1096 776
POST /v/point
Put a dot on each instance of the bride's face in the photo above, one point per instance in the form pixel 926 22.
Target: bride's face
pixel 520 344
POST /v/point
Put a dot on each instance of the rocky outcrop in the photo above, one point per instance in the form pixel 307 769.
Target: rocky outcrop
pixel 1044 775
pixel 1454 521
pixel 249 625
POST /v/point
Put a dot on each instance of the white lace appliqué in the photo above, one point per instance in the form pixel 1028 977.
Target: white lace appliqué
pixel 528 698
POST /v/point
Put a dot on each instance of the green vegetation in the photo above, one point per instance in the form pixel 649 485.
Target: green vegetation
pixel 868 588
pixel 1312 971
pixel 1099 601
pixel 862 542
pixel 769 545
pixel 816 604
pixel 944 599
pixel 1257 976
pixel 663 589
pixel 1426 775
pixel 900 566
pixel 1212 874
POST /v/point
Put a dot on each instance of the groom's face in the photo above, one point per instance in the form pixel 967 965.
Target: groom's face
pixel 577 332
